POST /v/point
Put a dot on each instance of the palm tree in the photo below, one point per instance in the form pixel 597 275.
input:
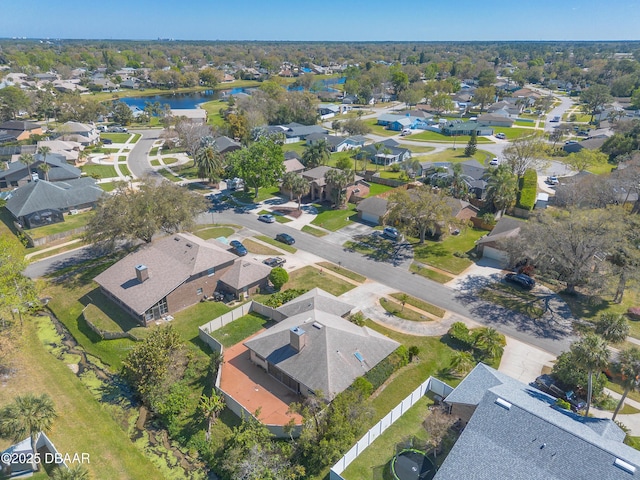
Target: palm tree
pixel 77 472
pixel 288 180
pixel 461 363
pixel 28 415
pixel 26 159
pixel 502 188
pixel 459 186
pixel 490 342
pixel 211 408
pixel 629 368
pixel 338 181
pixel 209 162
pixel 612 327
pixel 592 354
pixel 45 167
pixel 315 154
pixel 299 188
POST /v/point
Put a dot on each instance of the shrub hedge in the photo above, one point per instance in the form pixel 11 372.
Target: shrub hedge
pixel 396 360
pixel 528 190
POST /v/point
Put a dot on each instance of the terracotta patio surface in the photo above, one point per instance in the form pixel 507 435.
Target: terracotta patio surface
pixel 254 388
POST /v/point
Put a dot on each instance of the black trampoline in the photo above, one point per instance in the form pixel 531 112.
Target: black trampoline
pixel 412 464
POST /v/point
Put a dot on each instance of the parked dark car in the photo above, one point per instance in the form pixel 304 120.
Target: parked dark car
pixel 520 279
pixel 274 262
pixel 238 248
pixel 285 238
pixel 106 141
pixel 547 384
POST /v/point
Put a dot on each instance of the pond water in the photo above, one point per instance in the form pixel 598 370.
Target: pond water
pixel 182 100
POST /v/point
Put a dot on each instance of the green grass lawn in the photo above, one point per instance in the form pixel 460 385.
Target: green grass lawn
pixel 601 169
pixel 395 308
pixel 155 163
pixel 154 151
pixel 169 160
pixel 525 123
pixel 136 137
pixel 316 232
pixel 101 171
pixel 391 175
pixel 425 272
pixel 417 149
pixel 125 169
pixel 377 456
pixel 258 248
pixel 213 112
pixel 169 176
pixel 263 194
pixel 377 189
pixel 276 243
pixel 107 186
pixel 214 232
pixel 441 254
pixel 343 271
pixel 514 132
pixel 116 137
pixel 298 147
pixel 188 171
pixel 421 304
pixel 456 156
pixel 332 219
pixel 70 222
pixel 83 424
pixel 310 277
pixel 429 136
pixel 379 129
pixel 239 329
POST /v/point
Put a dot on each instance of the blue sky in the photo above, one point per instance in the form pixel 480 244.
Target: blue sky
pixel 344 20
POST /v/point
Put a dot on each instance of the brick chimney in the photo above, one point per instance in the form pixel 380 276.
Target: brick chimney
pixel 142 273
pixel 297 338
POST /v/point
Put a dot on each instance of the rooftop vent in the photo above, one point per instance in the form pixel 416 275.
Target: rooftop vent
pixel 359 356
pixel 503 403
pixel 626 466
pixel 317 325
pixel 189 245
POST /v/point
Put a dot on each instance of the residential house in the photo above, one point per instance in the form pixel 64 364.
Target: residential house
pixel 514 431
pixel 245 277
pixel 473 173
pixel 386 152
pixel 226 145
pixel 15 461
pixel 373 210
pixel 329 111
pixel 132 83
pixel 19 130
pixel 320 190
pixel 494 120
pixel 493 245
pixel 458 127
pixel 337 144
pixel 166 276
pixel 508 106
pixel 397 123
pixel 293 164
pixel 193 115
pixel 19 174
pixel 41 203
pixel 69 150
pixel 591 143
pixel 315 350
pixel 83 133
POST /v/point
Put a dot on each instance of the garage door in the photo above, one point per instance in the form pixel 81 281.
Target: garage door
pixel 495 254
pixel 369 217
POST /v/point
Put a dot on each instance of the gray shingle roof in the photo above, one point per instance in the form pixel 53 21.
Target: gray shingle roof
pixel 60 169
pixel 43 195
pixel 517 433
pixel 316 299
pixel 245 273
pixel 373 205
pixel 171 261
pixel 328 361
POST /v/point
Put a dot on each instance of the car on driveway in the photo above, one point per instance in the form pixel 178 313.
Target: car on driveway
pixel 267 218
pixel 494 161
pixel 285 238
pixel 106 141
pixel 552 180
pixel 238 248
pixel 520 279
pixel 391 233
pixel 501 136
pixel 547 384
pixel 274 262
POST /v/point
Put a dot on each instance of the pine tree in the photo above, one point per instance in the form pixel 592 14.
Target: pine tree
pixel 472 147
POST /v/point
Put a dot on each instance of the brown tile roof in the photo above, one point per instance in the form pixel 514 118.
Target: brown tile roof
pixel 170 262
